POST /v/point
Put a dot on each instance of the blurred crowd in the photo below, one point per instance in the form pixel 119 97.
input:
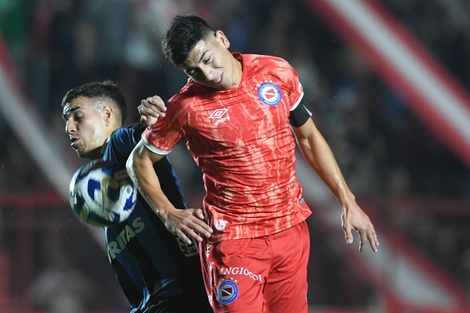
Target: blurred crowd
pixel 384 149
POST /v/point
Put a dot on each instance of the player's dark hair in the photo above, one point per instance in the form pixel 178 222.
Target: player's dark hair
pixel 105 90
pixel 184 33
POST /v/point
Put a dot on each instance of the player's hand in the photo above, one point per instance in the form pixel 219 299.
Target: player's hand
pixel 353 218
pixel 151 109
pixel 121 175
pixel 187 224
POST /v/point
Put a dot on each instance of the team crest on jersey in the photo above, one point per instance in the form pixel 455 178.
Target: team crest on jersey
pixel 188 249
pixel 227 292
pixel 270 94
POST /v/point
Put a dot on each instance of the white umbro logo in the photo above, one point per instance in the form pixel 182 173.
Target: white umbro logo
pixel 218 113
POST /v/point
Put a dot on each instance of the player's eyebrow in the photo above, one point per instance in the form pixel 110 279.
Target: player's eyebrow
pixel 202 56
pixel 68 112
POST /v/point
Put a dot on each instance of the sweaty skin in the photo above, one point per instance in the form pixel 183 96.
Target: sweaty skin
pixel 88 126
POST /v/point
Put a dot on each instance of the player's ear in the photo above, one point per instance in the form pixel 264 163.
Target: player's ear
pixel 222 39
pixel 108 114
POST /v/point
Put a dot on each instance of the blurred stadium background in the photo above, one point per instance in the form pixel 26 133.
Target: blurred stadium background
pixel 389 81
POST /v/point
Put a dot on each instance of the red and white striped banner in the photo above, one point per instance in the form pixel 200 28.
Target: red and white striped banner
pixel 445 107
pixel 430 91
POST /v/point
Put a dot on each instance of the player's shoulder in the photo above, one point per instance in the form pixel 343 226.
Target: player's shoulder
pixel 124 139
pixel 187 95
pixel 262 60
pixel 132 131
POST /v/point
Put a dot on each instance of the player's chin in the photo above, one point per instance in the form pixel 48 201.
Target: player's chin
pixel 217 86
pixel 81 154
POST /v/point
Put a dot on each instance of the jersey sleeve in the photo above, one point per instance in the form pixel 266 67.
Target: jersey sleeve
pixel 122 141
pixel 300 108
pixel 295 88
pixel 162 137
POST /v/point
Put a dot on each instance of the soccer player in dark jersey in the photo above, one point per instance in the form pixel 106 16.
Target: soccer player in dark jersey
pixel 241 116
pixel 158 272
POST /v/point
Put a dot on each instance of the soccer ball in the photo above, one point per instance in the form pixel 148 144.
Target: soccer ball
pixel 98 198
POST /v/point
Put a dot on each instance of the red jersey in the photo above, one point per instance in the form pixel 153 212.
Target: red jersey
pixel 242 141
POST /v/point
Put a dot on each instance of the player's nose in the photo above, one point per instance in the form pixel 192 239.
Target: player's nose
pixel 70 127
pixel 208 72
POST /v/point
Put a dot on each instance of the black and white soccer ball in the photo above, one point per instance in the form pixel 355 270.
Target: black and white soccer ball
pixel 98 198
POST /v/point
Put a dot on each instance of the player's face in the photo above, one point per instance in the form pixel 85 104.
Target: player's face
pixel 87 126
pixel 211 64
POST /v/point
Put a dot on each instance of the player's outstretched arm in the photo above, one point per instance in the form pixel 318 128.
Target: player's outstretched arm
pixel 184 223
pixel 318 154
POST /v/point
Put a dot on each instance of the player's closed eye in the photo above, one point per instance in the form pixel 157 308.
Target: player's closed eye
pixel 77 117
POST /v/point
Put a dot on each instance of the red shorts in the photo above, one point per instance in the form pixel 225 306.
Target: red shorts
pixel 266 274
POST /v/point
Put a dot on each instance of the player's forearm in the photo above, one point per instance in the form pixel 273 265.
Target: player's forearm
pixel 140 170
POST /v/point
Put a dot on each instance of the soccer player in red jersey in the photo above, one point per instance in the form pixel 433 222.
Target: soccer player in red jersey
pixel 241 116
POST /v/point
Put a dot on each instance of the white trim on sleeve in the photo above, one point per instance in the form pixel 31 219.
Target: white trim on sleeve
pixel 152 148
pixel 297 103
